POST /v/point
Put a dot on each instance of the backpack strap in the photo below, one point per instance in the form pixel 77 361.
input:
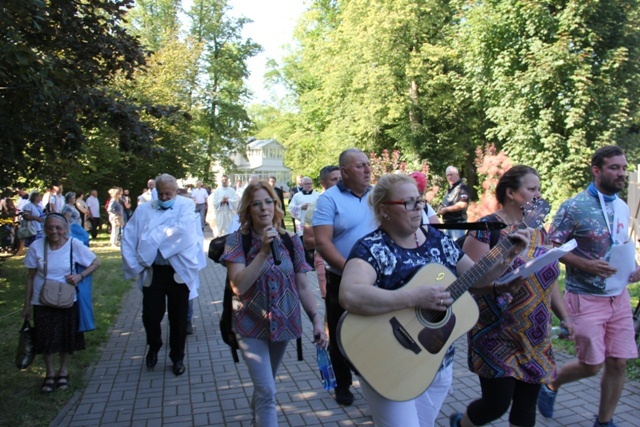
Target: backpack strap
pixel 288 242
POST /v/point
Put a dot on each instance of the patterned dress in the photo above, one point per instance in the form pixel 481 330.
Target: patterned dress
pixel 512 337
pixel 270 309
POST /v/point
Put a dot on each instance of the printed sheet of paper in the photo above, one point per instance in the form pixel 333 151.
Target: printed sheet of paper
pixel 538 263
pixel 623 258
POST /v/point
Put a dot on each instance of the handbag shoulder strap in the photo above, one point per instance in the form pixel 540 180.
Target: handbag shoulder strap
pixel 45 258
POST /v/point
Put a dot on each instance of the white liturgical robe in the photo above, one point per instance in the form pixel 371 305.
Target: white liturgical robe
pixel 223 211
pixel 175 233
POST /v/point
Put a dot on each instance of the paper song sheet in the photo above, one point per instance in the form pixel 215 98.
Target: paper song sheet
pixel 538 263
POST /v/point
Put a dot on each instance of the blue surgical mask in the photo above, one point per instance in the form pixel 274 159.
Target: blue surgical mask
pixel 167 204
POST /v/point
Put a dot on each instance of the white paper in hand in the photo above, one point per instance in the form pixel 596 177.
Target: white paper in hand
pixel 538 263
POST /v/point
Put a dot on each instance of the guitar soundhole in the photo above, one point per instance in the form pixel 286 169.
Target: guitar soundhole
pixel 433 319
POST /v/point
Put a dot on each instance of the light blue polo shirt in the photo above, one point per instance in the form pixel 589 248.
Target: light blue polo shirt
pixel 351 217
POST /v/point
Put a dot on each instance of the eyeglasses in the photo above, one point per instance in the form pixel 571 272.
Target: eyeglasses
pixel 258 203
pixel 410 205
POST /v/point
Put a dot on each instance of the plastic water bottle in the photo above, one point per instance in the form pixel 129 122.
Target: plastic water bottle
pixel 326 369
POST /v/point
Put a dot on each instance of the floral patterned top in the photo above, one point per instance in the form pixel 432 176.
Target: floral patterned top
pixel 512 337
pixel 581 218
pixel 270 309
pixel 395 265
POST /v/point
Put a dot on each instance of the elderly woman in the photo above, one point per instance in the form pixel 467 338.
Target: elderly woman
pixel 69 209
pixel 379 266
pixel 267 296
pixel 116 216
pixel 32 211
pixel 56 328
pixel 510 346
pixel 74 218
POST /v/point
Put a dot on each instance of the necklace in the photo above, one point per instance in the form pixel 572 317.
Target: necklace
pixel 415 236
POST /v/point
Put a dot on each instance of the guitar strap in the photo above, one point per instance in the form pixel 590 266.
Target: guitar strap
pixel 486 226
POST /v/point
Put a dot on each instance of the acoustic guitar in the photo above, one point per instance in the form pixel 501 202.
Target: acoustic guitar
pixel 399 353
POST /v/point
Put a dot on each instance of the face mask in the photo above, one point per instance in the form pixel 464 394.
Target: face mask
pixel 166 205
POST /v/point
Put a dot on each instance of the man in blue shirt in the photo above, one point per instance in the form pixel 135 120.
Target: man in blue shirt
pixel 342 216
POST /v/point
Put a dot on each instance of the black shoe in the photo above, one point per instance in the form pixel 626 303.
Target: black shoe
pixel 152 358
pixel 343 396
pixel 190 328
pixel 178 368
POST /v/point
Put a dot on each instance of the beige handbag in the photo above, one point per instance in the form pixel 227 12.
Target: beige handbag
pixel 54 293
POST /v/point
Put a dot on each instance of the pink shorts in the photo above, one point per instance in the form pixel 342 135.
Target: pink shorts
pixel 603 327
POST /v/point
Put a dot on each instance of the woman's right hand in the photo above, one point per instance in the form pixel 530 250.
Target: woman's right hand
pixel 435 298
pixel 26 312
pixel 268 235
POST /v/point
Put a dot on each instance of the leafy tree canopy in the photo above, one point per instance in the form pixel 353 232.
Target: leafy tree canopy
pixel 57 59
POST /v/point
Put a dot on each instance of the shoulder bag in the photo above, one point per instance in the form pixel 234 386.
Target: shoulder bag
pixel 54 293
pixel 27 229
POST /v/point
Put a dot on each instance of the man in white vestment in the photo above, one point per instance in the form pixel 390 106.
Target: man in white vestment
pixel 162 248
pixel 224 202
pixel 301 201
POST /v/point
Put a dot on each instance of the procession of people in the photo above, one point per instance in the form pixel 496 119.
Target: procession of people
pixel 369 242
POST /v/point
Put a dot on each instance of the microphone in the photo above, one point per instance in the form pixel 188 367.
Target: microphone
pixel 275 253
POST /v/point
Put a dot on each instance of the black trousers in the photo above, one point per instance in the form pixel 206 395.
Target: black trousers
pixel 165 294
pixel 341 367
pixel 95 223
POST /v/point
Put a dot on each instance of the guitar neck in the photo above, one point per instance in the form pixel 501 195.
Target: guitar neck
pixel 496 255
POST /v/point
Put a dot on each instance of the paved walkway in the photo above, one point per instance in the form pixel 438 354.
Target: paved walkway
pixel 216 392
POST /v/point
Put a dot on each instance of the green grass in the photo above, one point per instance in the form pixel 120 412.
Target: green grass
pixel 21 401
pixel 633 365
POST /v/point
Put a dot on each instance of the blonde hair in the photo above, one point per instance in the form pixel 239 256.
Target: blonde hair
pixel 114 192
pixel 245 206
pixel 383 191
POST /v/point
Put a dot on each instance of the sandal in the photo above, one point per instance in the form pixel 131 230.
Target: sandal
pixel 62 382
pixel 49 384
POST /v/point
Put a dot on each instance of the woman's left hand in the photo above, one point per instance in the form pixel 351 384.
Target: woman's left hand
pixel 521 239
pixel 567 323
pixel 73 279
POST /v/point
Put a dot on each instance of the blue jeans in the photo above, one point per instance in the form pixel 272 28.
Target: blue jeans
pixel 263 358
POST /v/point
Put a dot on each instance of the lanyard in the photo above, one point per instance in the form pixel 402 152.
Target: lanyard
pixel 606 217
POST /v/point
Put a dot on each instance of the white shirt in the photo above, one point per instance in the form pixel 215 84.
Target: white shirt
pixel 94 206
pixel 58 202
pixel 21 203
pixel 57 262
pixel 199 195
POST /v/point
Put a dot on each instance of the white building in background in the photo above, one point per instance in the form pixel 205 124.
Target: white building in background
pixel 264 157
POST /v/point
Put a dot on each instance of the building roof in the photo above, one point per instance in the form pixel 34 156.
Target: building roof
pixel 260 143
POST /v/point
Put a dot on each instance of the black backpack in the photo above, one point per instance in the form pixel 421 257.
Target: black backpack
pixel 216 248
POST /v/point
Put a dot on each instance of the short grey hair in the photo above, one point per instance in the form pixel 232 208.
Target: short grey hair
pixel 165 178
